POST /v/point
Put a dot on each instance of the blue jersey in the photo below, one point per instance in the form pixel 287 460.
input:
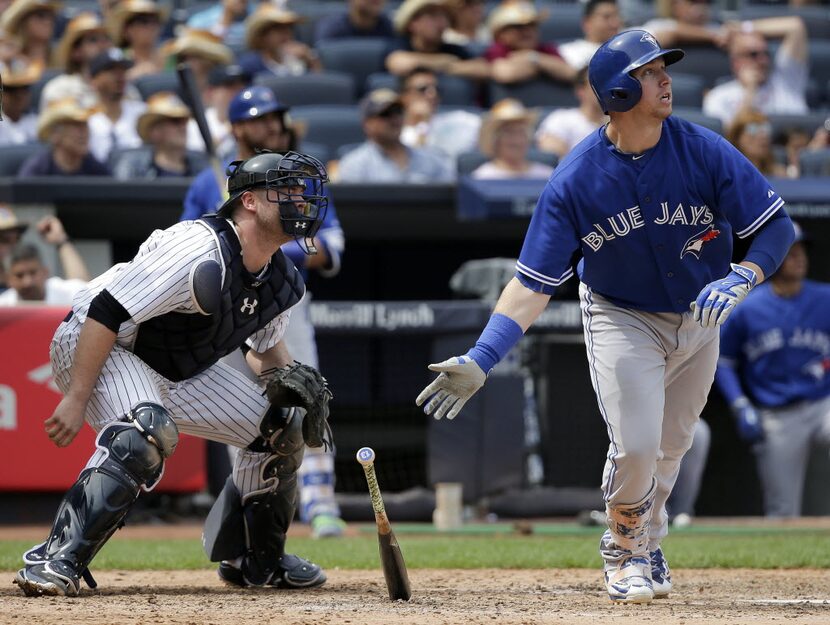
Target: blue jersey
pixel 652 229
pixel 780 346
pixel 204 197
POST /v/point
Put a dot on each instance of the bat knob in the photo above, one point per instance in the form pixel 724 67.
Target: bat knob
pixel 365 455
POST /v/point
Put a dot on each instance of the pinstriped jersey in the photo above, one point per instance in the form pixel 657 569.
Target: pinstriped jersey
pixel 652 229
pixel 157 281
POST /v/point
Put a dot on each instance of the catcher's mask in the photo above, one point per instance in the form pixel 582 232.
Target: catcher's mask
pixel 293 181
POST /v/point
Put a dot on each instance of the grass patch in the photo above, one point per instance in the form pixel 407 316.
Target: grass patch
pixel 776 549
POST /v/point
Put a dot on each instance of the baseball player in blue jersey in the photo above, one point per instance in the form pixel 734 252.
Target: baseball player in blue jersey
pixel 774 370
pixel 260 121
pixel 645 208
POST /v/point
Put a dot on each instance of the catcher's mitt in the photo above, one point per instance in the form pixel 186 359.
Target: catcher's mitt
pixel 303 386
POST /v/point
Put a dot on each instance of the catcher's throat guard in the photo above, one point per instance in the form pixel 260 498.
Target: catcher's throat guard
pixel 293 181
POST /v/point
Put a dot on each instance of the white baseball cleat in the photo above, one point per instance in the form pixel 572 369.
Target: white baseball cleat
pixel 660 574
pixel 629 581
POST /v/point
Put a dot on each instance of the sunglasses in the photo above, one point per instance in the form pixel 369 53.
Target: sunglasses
pixel 755 54
pixel 422 89
pixel 144 20
pixel 392 111
pixel 758 128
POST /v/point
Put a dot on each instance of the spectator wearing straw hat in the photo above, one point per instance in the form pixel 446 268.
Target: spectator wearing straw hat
pixel 517 54
pixel 63 125
pixel 163 129
pixel 135 26
pixel 113 124
pixel 269 35
pixel 226 20
pixel 203 51
pixel 11 229
pixel 19 126
pixel 83 39
pixel 383 158
pixel 421 25
pixel 32 22
pixel 506 136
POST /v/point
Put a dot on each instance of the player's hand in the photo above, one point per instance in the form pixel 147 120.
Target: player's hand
pixel 716 301
pixel 460 378
pixel 65 422
pixel 749 425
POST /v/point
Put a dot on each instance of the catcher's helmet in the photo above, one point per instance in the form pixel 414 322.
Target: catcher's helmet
pixel 300 213
pixel 610 69
pixel 253 102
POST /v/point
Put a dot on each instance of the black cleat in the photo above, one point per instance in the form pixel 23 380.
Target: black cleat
pixel 49 578
pixel 293 573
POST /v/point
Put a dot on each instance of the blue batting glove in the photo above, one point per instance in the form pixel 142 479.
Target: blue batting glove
pixel 747 421
pixel 716 301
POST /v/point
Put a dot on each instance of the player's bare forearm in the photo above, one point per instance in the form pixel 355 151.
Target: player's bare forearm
pixel 276 356
pixel 94 346
pixel 759 273
pixel 521 304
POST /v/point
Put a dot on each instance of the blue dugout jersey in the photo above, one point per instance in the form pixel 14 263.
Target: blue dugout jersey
pixel 653 229
pixel 780 346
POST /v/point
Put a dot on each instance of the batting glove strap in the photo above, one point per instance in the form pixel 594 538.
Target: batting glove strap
pixel 460 377
pixel 716 301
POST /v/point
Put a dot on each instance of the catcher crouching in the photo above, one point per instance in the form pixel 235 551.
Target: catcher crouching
pixel 140 358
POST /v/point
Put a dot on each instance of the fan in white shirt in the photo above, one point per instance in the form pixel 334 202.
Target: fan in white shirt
pixel 601 21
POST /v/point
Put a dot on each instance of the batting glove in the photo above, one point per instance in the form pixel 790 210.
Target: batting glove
pixel 747 420
pixel 460 378
pixel 715 302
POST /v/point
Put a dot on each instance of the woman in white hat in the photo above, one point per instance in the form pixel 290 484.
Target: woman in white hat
pixel 19 125
pixel 135 26
pixel 506 138
pixel 32 22
pixel 269 35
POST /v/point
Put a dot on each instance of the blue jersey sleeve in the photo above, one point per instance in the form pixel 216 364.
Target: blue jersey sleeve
pixel 202 197
pixel 549 245
pixel 743 194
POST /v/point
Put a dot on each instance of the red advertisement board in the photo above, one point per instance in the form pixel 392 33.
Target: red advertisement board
pixel 31 462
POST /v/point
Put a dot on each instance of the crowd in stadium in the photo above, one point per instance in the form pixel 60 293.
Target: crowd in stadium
pixel 417 91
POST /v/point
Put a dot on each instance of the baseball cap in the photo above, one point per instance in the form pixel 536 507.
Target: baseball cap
pixel 109 59
pixel 228 75
pixel 379 101
pixel 254 102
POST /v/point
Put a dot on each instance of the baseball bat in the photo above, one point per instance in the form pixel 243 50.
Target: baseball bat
pixel 391 558
pixel 193 99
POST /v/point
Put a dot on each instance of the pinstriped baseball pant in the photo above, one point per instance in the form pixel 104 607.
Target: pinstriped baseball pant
pixel 219 404
pixel 651 373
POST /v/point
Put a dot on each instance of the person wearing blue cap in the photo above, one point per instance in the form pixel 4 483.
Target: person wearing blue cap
pixel 643 211
pixel 774 372
pixel 259 121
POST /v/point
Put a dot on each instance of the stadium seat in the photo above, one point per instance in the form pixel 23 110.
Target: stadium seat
pixel 331 125
pixel 381 80
pixel 318 150
pixel 815 162
pixel 809 122
pixel 536 93
pixel 708 62
pixel 358 57
pixel 13 156
pixel 467 162
pixel 312 88
pixel 149 84
pixel 817 19
pixel 687 90
pixel 564 23
pixel 696 116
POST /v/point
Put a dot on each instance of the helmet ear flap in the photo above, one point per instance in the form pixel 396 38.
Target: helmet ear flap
pixel 625 95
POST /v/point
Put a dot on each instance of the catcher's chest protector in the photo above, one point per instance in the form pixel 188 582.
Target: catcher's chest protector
pixel 181 345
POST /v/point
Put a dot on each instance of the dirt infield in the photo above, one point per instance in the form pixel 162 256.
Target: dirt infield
pixel 503 597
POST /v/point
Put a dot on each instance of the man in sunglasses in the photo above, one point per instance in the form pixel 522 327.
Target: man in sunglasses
pixel 770 85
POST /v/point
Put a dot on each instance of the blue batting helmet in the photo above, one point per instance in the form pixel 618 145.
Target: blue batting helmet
pixel 610 69
pixel 253 102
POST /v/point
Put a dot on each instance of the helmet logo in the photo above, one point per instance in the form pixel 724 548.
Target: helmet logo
pixel 648 37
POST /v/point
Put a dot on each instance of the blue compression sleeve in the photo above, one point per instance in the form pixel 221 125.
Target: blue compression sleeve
pixel 771 243
pixel 498 337
pixel 727 380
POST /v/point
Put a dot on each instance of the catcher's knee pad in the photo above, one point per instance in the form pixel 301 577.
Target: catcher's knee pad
pixel 281 435
pixel 140 442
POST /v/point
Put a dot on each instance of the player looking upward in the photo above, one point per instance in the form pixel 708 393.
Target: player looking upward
pixel 643 210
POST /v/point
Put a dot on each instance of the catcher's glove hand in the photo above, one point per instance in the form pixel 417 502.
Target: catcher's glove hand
pixel 303 386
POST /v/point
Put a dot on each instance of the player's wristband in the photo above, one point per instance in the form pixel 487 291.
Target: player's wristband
pixel 746 273
pixel 498 337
